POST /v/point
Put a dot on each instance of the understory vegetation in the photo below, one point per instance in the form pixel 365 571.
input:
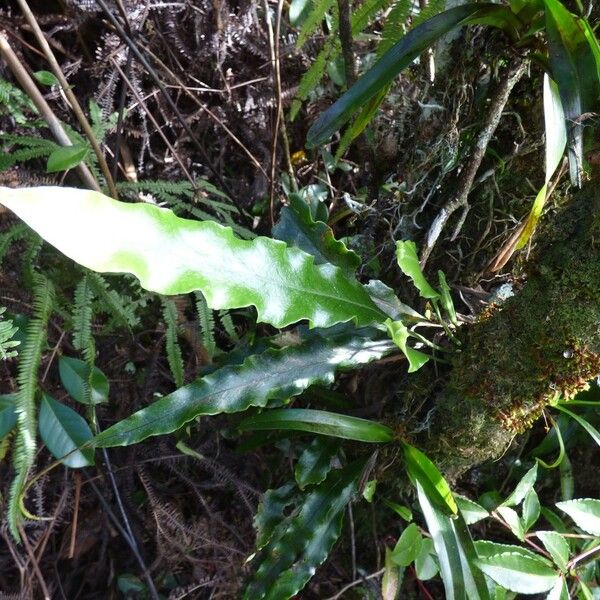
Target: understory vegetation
pixel 299 300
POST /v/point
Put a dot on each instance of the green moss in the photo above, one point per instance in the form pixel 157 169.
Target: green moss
pixel 543 342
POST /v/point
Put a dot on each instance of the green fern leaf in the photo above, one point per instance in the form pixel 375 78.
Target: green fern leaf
pixel 206 323
pixel 174 357
pixel 117 305
pixel 27 378
pixel 314 19
pixel 395 26
pixel 7 331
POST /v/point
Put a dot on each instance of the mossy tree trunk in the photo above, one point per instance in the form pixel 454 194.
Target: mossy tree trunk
pixel 541 344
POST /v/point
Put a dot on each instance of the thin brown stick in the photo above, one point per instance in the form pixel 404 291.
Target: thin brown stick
pixel 36 566
pixel 207 110
pixel 516 70
pixel 154 121
pixel 64 84
pixel 346 41
pixel 55 126
pixel 75 515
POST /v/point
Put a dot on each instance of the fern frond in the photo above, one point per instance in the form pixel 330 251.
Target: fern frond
pixel 395 25
pixel 206 322
pixel 174 356
pixel 110 301
pixel 365 12
pixel 314 19
pixel 433 8
pixel 29 258
pixel 23 148
pixel 16 232
pixel 228 326
pixel 7 331
pixel 82 320
pixel 27 379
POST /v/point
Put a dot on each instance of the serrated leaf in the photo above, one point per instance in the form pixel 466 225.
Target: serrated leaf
pixel 76 379
pixel 585 512
pixel 531 509
pixel 274 374
pixel 315 462
pixel 8 415
pixel 400 334
pixel 559 591
pixel 425 564
pixel 422 470
pixel 303 540
pixel 471 511
pixel 518 573
pixel 512 520
pixel 400 56
pixel 63 432
pixel 296 227
pixel 66 157
pixel 408 546
pixel 171 255
pixel 485 549
pixel 408 261
pixel 321 422
pixel 524 485
pixel 557 546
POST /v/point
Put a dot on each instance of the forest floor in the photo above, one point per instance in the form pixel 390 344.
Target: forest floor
pixel 205 119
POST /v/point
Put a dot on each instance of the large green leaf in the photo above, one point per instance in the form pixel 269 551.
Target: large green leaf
pixel 321 422
pixel 296 227
pixel 302 541
pixel 401 56
pixel 519 573
pixel 171 255
pixel 455 551
pixel 575 71
pixel 585 512
pixel 593 432
pixel 270 511
pixel 64 432
pixel 274 374
pixel 408 261
pixel 8 415
pixel 408 546
pixel 422 470
pixel 557 546
pixel 83 386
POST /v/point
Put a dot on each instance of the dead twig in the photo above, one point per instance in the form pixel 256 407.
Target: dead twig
pixel 516 70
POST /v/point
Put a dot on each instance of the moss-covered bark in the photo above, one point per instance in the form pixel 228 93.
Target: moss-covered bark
pixel 542 342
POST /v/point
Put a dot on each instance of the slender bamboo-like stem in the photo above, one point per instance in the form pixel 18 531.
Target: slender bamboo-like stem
pixel 55 126
pixel 64 84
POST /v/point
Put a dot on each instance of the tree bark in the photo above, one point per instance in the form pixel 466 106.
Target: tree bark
pixel 542 344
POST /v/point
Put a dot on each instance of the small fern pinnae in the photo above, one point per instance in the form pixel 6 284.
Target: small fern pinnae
pixel 27 378
pixel 111 301
pixel 7 331
pixel 82 317
pixel 174 356
pixel 206 323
